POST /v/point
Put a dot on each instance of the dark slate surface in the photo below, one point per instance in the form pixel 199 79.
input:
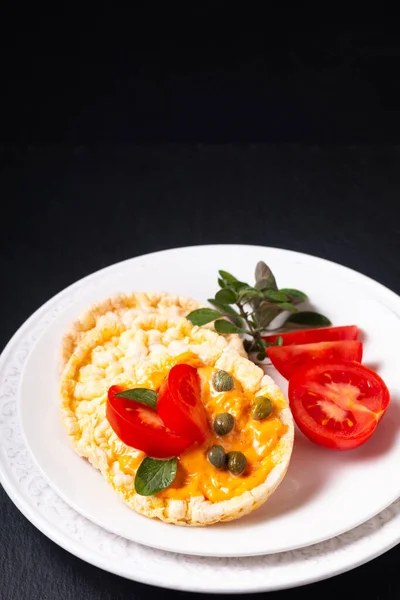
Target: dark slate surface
pixel 74 209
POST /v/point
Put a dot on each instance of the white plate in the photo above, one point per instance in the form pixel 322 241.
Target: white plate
pixel 41 505
pixel 324 494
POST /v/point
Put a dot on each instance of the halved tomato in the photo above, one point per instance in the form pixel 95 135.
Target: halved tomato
pixel 141 427
pixel 337 404
pixel 179 403
pixel 286 359
pixel 311 336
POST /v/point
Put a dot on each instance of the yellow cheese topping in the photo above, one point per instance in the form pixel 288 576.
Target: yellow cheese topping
pixel 255 439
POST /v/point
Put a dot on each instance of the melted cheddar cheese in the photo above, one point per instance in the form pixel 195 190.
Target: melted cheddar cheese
pixel 256 439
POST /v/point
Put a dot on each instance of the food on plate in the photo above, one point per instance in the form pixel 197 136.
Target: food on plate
pixel 217 456
pixel 261 409
pixel 127 308
pixel 236 462
pixel 312 336
pixel 139 426
pixel 241 308
pixel 223 424
pixel 337 404
pixel 180 404
pixel 286 359
pixel 157 393
pixel 139 400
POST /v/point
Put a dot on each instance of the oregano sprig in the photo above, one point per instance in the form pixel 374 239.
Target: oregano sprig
pixel 244 309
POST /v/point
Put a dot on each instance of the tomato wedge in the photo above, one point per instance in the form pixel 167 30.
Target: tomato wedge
pixel 179 403
pixel 141 427
pixel 311 336
pixel 286 359
pixel 338 404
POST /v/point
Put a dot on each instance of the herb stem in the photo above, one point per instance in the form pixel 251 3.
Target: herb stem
pixel 254 332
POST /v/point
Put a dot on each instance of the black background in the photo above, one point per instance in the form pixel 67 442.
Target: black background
pixel 122 141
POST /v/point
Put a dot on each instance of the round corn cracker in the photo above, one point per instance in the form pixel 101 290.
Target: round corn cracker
pixel 128 307
pixel 118 354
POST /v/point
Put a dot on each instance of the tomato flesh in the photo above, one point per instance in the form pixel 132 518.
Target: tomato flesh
pixel 179 403
pixel 286 359
pixel 311 336
pixel 142 428
pixel 337 404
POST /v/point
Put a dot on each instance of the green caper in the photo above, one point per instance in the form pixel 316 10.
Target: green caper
pixel 236 462
pixel 223 423
pixel 261 409
pixel 217 457
pixel 222 381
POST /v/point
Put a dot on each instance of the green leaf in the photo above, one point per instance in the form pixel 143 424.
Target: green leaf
pixel 279 341
pixel 261 355
pixel 309 318
pixel 238 285
pixel 275 295
pixel 222 326
pixel 249 293
pixel 264 276
pixel 264 314
pixel 228 310
pixel 226 296
pixel 295 295
pixel 154 475
pixel 202 316
pixel 287 306
pixel 142 395
pixel 221 283
pixel 227 277
pixel 224 308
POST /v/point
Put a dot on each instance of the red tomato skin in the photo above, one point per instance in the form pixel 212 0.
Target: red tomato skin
pixel 142 428
pixel 324 436
pixel 312 336
pixel 286 359
pixel 179 403
pixel 330 442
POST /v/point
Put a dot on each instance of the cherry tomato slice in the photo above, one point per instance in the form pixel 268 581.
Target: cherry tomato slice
pixel 141 427
pixel 179 403
pixel 338 404
pixel 311 336
pixel 286 359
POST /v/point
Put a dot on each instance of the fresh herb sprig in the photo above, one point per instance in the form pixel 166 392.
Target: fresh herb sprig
pixel 241 308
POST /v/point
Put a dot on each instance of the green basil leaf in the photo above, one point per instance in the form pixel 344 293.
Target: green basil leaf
pixel 226 296
pixel 287 306
pixel 227 277
pixel 154 475
pixel 279 341
pixel 275 295
pixel 309 318
pixel 202 316
pixel 142 395
pixel 222 326
pixel 294 295
pixel 264 276
pixel 261 355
